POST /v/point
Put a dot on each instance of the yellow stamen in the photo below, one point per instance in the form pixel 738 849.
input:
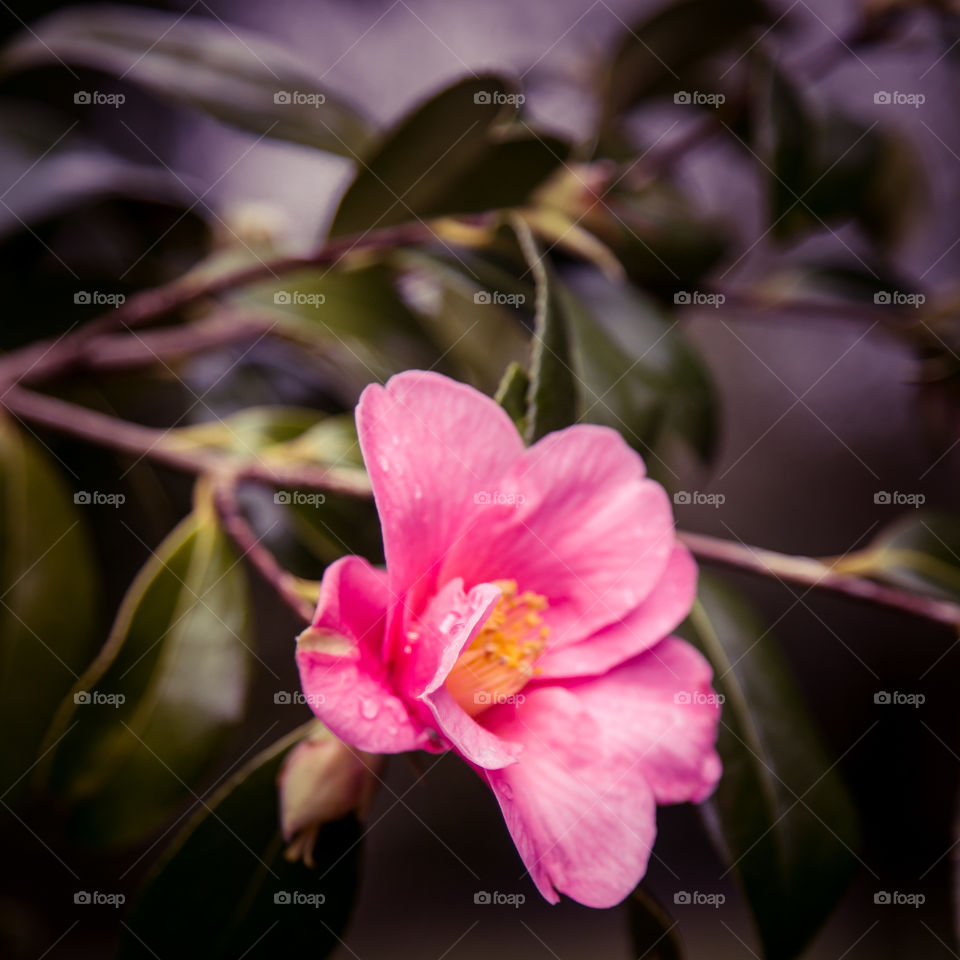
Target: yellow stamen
pixel 501 658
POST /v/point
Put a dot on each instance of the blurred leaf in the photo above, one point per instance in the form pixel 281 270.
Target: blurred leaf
pixel 177 656
pixel 638 372
pixel 655 55
pixel 785 820
pixel 220 886
pixel 512 394
pixel 249 432
pixel 553 391
pixel 654 931
pixel 47 570
pixel 463 151
pixel 474 328
pixel 232 74
pixel 920 551
pixel 354 315
pixel 831 168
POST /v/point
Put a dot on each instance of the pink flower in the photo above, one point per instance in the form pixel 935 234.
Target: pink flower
pixel 523 621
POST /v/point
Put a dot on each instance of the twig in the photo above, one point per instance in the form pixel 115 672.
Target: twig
pixel 816 573
pixel 164 447
pixel 45 358
pixel 236 525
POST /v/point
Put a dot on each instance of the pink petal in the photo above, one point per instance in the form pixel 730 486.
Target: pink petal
pixel 660 707
pixel 577 807
pixel 339 662
pixel 590 533
pixel 452 621
pixel 431 446
pixel 663 610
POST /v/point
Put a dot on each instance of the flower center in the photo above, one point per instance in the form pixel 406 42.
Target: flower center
pixel 501 658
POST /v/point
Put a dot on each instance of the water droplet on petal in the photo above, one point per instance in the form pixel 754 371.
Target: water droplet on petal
pixel 418 492
pixel 369 709
pixel 384 464
pixel 506 790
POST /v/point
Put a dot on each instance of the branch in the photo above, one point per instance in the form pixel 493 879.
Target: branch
pixel 164 447
pixel 46 358
pixel 816 573
pixel 236 525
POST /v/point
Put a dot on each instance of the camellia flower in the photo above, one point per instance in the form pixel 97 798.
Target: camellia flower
pixel 522 621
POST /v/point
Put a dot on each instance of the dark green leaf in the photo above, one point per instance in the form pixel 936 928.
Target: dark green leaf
pixel 784 818
pixel 654 931
pixel 177 656
pixel 552 396
pixel 655 55
pixel 461 152
pixel 239 77
pixel 47 600
pixel 638 373
pixel 921 552
pixel 512 394
pixel 221 885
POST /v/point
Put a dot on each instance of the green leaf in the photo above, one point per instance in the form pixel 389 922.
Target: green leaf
pixel 512 394
pixel 48 590
pixel 920 552
pixel 177 656
pixel 354 318
pixel 463 151
pixel 638 373
pixel 655 56
pixel 217 887
pixel 232 74
pixel 552 396
pixel 784 817
pixel 654 931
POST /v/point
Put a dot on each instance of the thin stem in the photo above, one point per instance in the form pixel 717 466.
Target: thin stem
pixel 817 573
pixel 163 447
pixel 238 528
pixel 45 358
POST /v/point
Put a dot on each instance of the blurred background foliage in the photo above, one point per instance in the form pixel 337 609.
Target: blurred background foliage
pixel 556 268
